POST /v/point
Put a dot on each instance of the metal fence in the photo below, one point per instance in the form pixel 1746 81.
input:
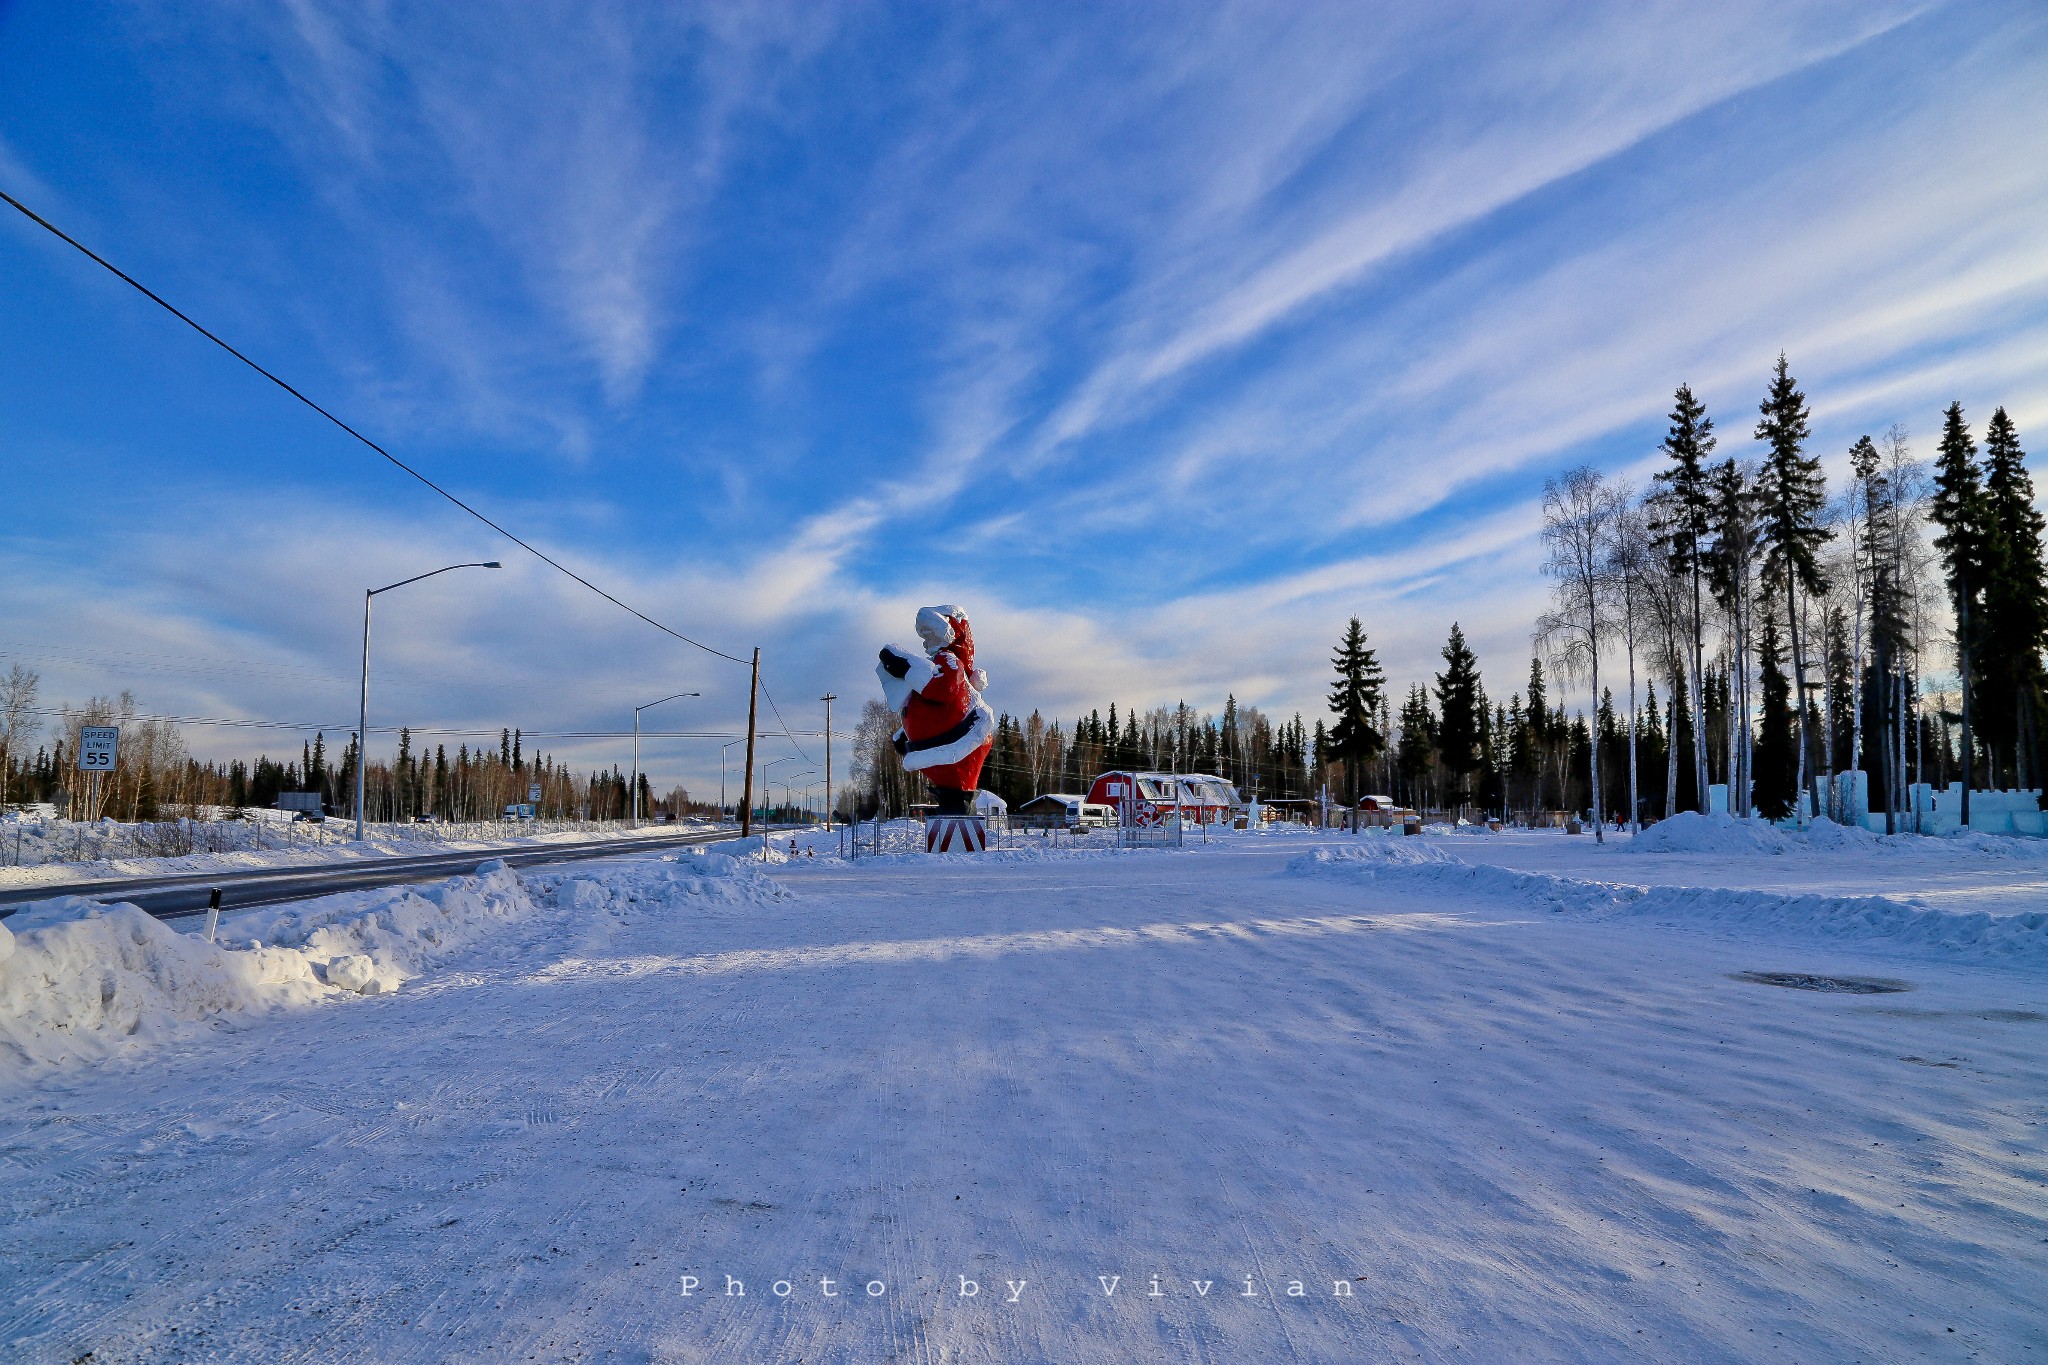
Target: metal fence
pixel 872 838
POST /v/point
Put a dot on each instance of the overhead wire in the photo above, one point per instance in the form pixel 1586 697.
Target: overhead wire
pixel 348 726
pixel 786 732
pixel 175 312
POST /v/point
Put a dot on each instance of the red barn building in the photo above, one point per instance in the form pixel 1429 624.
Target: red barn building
pixel 1150 798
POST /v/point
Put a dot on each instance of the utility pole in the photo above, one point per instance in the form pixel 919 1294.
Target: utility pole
pixel 828 699
pixel 747 796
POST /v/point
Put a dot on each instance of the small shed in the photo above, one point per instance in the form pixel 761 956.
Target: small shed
pixel 1054 810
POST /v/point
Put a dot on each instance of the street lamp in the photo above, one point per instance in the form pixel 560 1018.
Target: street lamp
pixel 802 772
pixel 636 749
pixel 363 718
pixel 768 797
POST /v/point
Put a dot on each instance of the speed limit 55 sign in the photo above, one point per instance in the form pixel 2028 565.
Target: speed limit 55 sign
pixel 98 746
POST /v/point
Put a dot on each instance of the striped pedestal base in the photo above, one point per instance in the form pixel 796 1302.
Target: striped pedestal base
pixel 955 834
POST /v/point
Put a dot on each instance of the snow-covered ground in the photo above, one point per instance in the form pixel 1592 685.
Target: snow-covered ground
pixel 1510 1092
pixel 58 853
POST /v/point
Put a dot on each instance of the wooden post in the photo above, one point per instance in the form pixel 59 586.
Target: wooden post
pixel 747 790
pixel 828 699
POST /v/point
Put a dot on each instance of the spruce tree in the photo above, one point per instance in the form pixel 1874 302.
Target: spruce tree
pixel 1416 755
pixel 1607 730
pixel 1493 790
pixel 1776 767
pixel 1532 742
pixel 1682 520
pixel 1791 497
pixel 1655 741
pixel 1731 565
pixel 2016 594
pixel 1516 762
pixel 1841 673
pixel 1227 748
pixel 1959 508
pixel 1686 793
pixel 1355 702
pixel 1461 714
pixel 1576 743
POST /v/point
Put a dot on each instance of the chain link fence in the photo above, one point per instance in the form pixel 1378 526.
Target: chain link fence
pixel 874 838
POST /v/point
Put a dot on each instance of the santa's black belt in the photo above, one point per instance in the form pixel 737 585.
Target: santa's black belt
pixel 940 741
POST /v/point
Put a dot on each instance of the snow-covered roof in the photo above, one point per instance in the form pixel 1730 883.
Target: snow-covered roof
pixel 1200 789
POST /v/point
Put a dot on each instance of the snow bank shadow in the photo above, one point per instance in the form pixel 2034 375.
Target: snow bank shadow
pixel 899 952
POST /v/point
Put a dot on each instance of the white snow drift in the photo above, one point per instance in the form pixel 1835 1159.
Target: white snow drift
pixel 1876 920
pixel 79 980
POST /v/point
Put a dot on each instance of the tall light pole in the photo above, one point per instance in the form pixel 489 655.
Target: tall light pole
pixel 768 797
pixel 636 748
pixel 721 772
pixel 801 772
pixel 363 717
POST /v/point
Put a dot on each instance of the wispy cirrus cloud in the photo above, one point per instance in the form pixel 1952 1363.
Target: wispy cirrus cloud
pixel 1166 345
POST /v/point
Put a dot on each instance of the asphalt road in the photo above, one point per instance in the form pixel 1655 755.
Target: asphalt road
pixel 171 897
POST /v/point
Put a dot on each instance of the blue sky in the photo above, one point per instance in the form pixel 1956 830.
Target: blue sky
pixel 1162 338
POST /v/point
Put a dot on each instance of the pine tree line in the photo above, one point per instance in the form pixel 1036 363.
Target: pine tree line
pixel 1800 629
pixel 1764 637
pixel 157 778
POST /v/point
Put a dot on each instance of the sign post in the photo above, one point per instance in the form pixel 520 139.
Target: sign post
pixel 99 749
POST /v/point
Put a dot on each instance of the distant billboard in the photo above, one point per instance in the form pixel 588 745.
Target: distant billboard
pixel 299 801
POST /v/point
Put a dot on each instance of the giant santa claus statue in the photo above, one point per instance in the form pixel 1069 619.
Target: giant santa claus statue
pixel 947 727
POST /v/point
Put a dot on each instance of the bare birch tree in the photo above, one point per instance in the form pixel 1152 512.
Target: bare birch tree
pixel 19 722
pixel 1579 510
pixel 1632 564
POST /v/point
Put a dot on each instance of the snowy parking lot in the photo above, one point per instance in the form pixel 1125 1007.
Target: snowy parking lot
pixel 1289 1097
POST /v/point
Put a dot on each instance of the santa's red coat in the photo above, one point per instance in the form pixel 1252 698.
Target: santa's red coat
pixel 947 730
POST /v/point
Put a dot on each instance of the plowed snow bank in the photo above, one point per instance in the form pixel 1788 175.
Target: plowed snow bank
pixel 1878 920
pixel 79 980
pixel 1688 832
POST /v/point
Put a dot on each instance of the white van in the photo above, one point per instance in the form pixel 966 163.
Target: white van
pixel 1093 816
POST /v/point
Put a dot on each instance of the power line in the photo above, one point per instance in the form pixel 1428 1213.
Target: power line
pixel 786 732
pixel 165 304
pixel 349 727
